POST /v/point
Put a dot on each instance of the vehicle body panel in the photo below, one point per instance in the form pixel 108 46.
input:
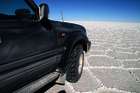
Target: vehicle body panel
pixel 29 50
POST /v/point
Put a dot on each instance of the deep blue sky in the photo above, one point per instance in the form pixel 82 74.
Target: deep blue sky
pixel 95 10
pixel 85 10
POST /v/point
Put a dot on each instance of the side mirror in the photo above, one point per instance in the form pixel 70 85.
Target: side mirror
pixel 43 11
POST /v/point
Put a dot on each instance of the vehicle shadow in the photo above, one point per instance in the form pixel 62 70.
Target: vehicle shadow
pixel 62 91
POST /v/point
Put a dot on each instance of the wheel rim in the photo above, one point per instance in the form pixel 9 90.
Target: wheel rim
pixel 81 62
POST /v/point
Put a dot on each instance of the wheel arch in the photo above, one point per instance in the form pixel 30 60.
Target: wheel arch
pixel 77 40
pixel 80 41
pixel 70 43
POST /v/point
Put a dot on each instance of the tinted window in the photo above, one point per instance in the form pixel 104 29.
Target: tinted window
pixel 9 6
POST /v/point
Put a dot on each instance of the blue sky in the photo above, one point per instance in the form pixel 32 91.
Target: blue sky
pixel 86 10
pixel 95 10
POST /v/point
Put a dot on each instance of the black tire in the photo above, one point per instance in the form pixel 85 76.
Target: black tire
pixel 75 64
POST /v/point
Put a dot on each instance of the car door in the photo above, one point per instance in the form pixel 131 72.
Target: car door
pixel 27 52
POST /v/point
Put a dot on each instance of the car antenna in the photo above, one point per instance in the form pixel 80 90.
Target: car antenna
pixel 62 16
pixel 43 1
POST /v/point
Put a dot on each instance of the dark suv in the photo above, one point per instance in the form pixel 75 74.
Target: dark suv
pixel 35 50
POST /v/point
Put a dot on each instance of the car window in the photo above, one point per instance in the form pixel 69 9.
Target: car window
pixel 9 7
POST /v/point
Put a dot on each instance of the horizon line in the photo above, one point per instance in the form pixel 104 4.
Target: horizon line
pixel 94 21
